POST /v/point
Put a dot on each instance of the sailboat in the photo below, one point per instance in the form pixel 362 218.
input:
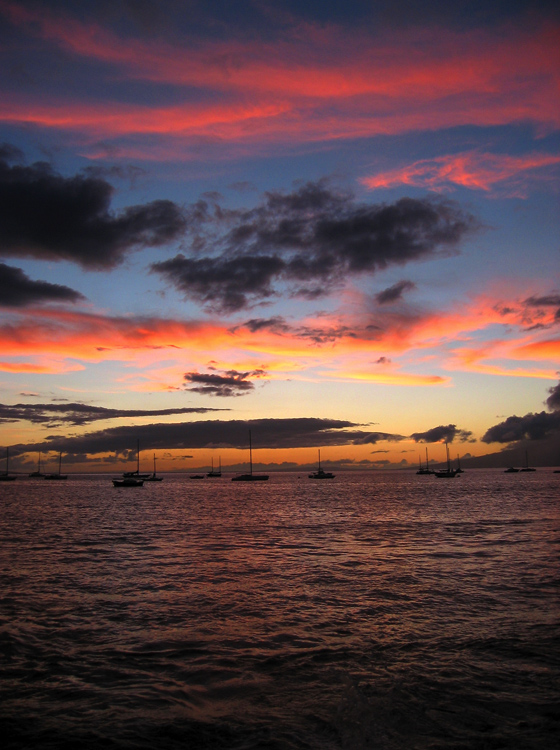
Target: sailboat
pixel 527 467
pixel 58 475
pixel 136 474
pixel 6 476
pixel 250 477
pixel 38 473
pixel 153 477
pixel 459 470
pixel 421 469
pixel 320 474
pixel 448 473
pixel 213 473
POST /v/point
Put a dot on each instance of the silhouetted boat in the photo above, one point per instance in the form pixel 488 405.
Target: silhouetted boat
pixel 459 470
pixel 250 477
pixel 136 474
pixel 38 473
pixel 213 473
pixel 527 467
pixel 511 470
pixel 448 473
pixel 196 476
pixel 320 474
pixel 6 476
pixel 422 469
pixel 128 482
pixel 57 475
pixel 153 477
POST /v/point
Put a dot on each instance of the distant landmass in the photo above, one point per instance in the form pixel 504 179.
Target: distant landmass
pixel 540 453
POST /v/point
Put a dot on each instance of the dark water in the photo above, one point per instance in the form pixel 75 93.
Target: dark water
pixel 372 611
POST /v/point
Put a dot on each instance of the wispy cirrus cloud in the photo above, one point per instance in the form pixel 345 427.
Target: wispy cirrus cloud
pixel 307 82
pixel 475 170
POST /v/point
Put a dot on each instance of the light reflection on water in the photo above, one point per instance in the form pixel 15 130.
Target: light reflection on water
pixel 374 610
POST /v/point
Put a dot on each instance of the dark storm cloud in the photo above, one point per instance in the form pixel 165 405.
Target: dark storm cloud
pixel 18 290
pixel 530 427
pixel 231 383
pixel 447 433
pixel 310 241
pixel 276 324
pixel 54 415
pixel 553 401
pixel 267 433
pixel 47 216
pixel 394 293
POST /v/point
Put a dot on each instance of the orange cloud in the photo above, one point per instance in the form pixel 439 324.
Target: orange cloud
pixel 313 84
pixel 475 170
pixel 22 367
pixel 156 352
pixel 392 377
pixel 542 350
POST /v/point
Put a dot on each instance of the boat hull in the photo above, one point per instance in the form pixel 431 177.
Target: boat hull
pixel 128 482
pixel 250 478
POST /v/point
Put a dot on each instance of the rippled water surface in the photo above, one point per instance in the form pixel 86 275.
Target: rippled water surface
pixel 371 611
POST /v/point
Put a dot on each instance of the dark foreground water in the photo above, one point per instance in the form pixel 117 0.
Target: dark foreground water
pixel 371 611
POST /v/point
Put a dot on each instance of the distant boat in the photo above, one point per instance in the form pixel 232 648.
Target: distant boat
pixel 459 470
pixel 38 473
pixel 213 473
pixel 250 477
pixel 136 474
pixel 424 470
pixel 57 475
pixel 511 470
pixel 527 467
pixel 320 474
pixel 153 477
pixel 6 476
pixel 128 482
pixel 196 476
pixel 448 473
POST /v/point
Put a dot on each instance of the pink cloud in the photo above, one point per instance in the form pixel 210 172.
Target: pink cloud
pixel 313 84
pixel 475 170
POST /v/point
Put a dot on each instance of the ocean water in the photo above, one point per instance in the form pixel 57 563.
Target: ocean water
pixel 376 610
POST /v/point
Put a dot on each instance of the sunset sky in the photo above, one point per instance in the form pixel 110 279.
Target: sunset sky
pixel 335 223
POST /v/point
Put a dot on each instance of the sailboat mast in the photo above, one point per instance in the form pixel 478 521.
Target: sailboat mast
pixel 59 462
pixel 138 456
pixel 250 454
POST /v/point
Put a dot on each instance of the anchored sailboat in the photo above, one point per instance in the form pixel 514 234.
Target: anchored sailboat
pixel 57 475
pixel 527 467
pixel 6 476
pixel 213 473
pixel 38 473
pixel 448 473
pixel 422 469
pixel 320 474
pixel 153 477
pixel 136 474
pixel 250 477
